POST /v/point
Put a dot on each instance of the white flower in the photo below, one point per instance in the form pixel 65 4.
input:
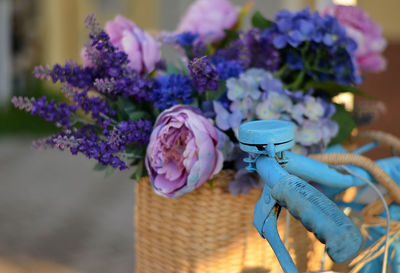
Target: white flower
pixel 279 102
pixel 309 133
pixel 314 109
pixel 264 111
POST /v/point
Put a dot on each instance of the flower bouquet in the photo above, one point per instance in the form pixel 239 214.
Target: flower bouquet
pixel 177 122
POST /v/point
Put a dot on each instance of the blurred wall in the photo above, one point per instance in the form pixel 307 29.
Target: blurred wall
pixel 5 50
pixel 386 13
pixel 62 22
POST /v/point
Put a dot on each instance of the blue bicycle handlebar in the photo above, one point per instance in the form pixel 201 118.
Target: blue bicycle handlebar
pixel 317 213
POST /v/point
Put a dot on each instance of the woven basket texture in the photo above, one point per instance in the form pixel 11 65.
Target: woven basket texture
pixel 211 231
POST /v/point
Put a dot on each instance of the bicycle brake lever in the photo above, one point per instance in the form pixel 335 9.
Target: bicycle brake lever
pixel 266 213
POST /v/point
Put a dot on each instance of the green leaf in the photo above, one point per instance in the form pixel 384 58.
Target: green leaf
pixel 126 106
pixel 211 183
pixel 99 167
pixel 135 162
pixel 183 67
pixel 231 34
pixel 333 88
pixel 109 171
pixel 136 150
pixel 259 21
pixel 216 94
pixel 140 171
pixel 135 116
pixel 345 122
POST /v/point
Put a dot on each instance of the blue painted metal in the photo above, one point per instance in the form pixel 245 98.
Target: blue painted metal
pixel 269 140
pixel 317 213
pixel 336 149
pixel 365 148
pixel 255 135
pixel 392 167
pixel 306 167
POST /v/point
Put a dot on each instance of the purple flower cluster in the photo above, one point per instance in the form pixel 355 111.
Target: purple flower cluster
pixel 129 132
pixel 255 74
pixel 97 107
pixel 262 53
pixel 106 68
pixel 318 44
pixel 252 49
pixel 237 50
pixel 204 74
pixel 227 69
pixel 257 94
pixel 294 28
pixel 71 73
pixel 94 88
pixel 87 142
pixel 108 151
pixel 111 66
pixel 170 90
pixel 101 53
pixel 58 113
pixel 129 84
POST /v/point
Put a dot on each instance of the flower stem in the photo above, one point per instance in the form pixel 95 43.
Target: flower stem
pixel 298 82
pixel 281 71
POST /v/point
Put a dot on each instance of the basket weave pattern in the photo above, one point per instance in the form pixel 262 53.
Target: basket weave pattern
pixel 210 230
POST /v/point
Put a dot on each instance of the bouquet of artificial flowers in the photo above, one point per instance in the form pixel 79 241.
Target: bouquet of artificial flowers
pixel 177 122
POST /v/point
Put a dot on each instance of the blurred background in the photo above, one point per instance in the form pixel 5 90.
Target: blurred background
pixel 56 213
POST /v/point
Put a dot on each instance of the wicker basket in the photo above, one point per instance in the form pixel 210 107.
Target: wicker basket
pixel 210 230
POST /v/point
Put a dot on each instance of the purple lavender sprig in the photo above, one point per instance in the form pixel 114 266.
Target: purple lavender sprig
pixel 96 106
pixel 58 113
pixel 127 85
pixel 71 73
pixel 87 142
pixel 130 132
pixel 113 77
pixel 102 54
pixel 106 69
pixel 107 149
pixel 252 49
pixel 204 74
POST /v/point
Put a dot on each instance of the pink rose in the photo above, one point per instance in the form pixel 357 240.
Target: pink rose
pixel 142 50
pixel 209 19
pixel 182 153
pixel 366 32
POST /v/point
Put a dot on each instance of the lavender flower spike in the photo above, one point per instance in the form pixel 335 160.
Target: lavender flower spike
pixel 204 74
pixel 58 113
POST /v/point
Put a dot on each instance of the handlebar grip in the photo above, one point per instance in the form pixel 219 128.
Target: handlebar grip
pixel 320 216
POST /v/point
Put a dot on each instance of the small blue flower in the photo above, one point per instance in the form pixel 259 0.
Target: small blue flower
pixel 170 90
pixel 227 69
pixel 186 39
pixel 225 120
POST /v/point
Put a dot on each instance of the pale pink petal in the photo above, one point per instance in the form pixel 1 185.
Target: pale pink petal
pixel 131 47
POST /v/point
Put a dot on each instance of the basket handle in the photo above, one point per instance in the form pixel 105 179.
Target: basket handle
pixel 364 162
pixel 381 137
